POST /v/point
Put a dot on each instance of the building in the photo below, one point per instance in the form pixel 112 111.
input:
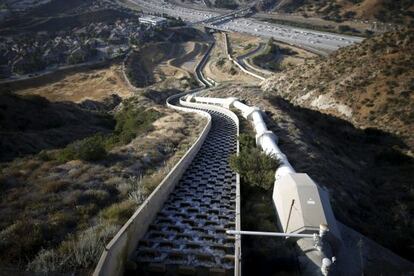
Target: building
pixel 153 20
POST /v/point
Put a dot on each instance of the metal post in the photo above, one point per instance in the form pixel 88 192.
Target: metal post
pixel 290 212
pixel 270 234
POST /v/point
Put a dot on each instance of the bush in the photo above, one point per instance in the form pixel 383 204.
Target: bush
pixel 226 4
pixel 119 213
pixel 255 167
pixel 130 121
pixel 76 253
pixel 88 149
pixel 23 239
pixel 221 62
pixel 53 186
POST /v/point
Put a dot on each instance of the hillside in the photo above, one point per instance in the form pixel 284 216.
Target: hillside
pixel 369 182
pixel 401 12
pixel 31 123
pixel 62 203
pixel 370 84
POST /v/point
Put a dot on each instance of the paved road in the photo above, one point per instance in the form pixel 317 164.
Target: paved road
pixel 296 36
pixel 318 41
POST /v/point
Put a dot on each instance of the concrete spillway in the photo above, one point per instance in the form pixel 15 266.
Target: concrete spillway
pixel 189 234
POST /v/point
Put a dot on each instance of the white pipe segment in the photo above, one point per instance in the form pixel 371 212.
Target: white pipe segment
pixel 216 101
pixel 266 139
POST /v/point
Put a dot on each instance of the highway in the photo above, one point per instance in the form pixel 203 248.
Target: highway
pixel 327 42
pixel 319 42
pixel 188 15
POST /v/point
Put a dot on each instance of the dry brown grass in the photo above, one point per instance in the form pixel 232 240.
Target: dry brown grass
pixel 59 202
pixel 367 83
pixel 77 87
pixel 159 66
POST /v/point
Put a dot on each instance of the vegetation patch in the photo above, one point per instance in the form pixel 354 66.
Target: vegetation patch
pixel 130 122
pixel 255 167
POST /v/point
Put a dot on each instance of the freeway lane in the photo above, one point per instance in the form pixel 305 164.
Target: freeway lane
pixel 186 14
pixel 302 37
pixel 321 42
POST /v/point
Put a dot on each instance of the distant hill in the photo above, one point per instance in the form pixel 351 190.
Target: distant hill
pixel 396 11
pixel 369 84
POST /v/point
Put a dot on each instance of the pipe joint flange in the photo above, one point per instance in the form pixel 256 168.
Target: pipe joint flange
pixel 249 113
pixel 189 98
pixel 229 102
pixel 268 133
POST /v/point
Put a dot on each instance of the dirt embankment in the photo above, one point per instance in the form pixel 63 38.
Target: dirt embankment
pixel 164 65
pixel 31 123
pixel 76 86
pixel 369 84
pixel 338 10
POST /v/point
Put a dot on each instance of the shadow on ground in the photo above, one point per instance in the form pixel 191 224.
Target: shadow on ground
pixel 368 177
pixel 29 124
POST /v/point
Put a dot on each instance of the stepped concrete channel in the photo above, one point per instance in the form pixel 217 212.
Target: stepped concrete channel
pixel 188 235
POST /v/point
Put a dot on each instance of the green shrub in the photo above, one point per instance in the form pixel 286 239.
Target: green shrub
pixel 221 62
pixel 226 4
pixel 23 239
pixel 92 148
pixel 131 121
pixel 88 149
pixel 76 252
pixel 53 186
pixel 255 167
pixel 119 213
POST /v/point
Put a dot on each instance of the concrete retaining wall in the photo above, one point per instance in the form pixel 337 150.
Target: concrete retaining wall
pixel 199 68
pixel 116 253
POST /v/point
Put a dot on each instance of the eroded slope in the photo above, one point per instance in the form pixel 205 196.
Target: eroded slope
pixel 370 84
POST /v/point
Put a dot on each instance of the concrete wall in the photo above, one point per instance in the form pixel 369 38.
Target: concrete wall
pixel 116 253
pixel 199 68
